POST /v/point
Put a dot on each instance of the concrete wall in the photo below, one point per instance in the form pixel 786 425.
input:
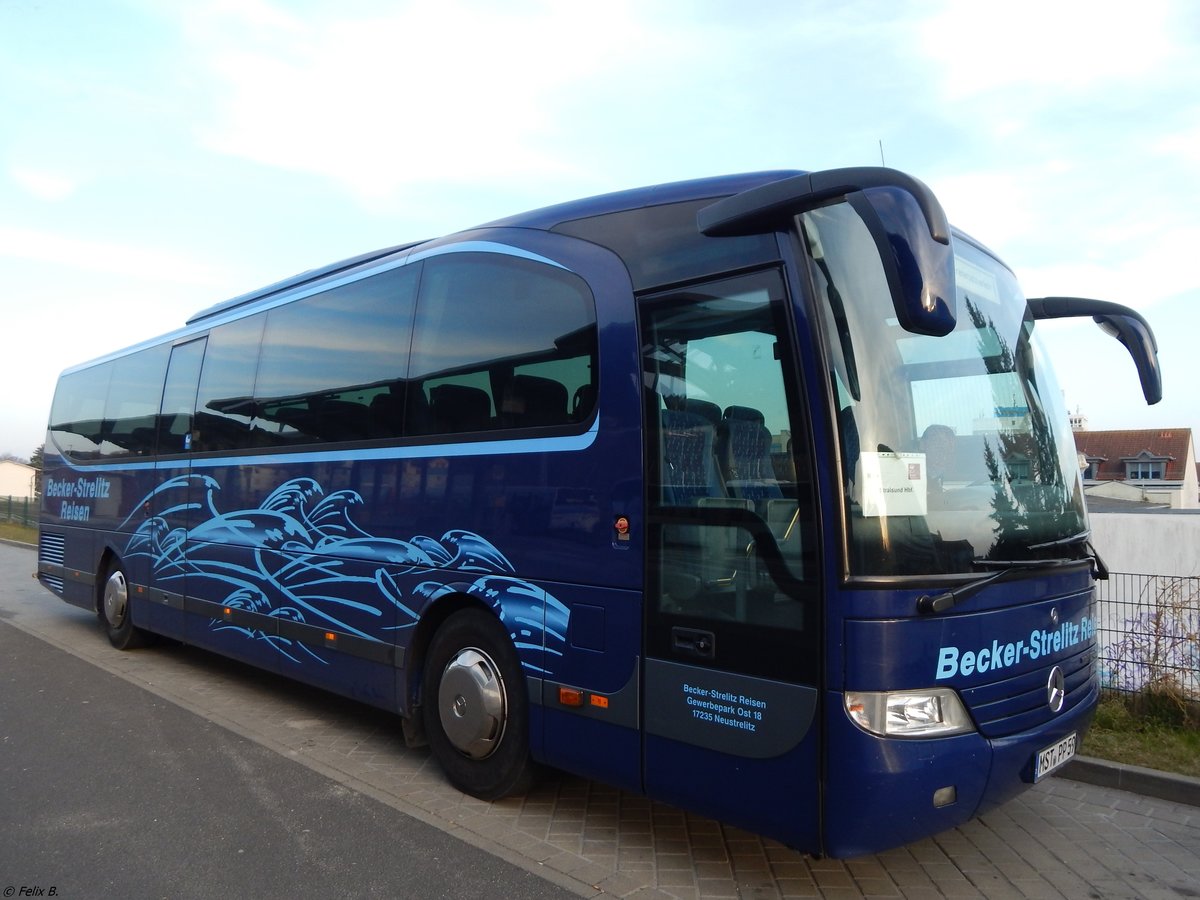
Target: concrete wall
pixel 1174 494
pixel 1148 543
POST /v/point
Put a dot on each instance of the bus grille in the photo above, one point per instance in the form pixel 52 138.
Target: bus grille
pixel 1018 704
pixel 53 582
pixel 52 549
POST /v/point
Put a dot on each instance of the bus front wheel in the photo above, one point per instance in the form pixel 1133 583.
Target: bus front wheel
pixel 115 613
pixel 475 708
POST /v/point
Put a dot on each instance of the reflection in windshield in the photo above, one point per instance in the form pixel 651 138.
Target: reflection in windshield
pixel 1031 496
pixel 956 450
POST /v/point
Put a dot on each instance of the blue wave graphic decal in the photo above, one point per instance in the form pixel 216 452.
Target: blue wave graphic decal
pixel 300 556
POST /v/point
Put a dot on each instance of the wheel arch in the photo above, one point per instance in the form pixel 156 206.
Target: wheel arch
pixel 109 560
pixel 434 616
pixel 476 715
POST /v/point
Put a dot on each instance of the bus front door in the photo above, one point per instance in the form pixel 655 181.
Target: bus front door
pixel 729 713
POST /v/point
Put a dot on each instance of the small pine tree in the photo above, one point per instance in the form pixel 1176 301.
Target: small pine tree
pixel 35 460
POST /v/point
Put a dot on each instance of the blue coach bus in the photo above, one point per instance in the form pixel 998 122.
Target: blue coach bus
pixel 754 494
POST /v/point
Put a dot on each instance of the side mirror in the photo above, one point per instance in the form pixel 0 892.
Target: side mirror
pixel 1123 323
pixel 919 268
pixel 905 220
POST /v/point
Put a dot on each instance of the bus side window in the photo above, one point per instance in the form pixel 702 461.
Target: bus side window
pixel 501 343
pixel 333 364
pixel 131 412
pixel 77 416
pixel 179 397
pixel 225 403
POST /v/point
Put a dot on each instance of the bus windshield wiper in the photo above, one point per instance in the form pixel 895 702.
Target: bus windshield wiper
pixel 939 603
pixel 1080 538
pixel 1084 538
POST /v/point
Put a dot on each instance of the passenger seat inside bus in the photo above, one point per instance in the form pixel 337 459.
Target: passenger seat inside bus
pixel 689 465
pixel 385 415
pixel 531 401
pixel 744 452
pixel 459 407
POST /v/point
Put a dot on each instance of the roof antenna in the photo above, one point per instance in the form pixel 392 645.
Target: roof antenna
pixel 881 162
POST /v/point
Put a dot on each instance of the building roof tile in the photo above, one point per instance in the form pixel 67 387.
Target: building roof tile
pixel 1114 448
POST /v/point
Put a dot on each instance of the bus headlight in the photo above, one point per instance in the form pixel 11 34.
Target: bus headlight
pixel 935 712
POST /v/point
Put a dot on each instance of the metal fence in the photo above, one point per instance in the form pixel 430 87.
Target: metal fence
pixel 1148 632
pixel 21 510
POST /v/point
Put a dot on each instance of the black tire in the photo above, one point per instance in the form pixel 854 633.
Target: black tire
pixel 115 612
pixel 475 707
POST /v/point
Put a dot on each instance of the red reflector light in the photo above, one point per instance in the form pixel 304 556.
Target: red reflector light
pixel 598 701
pixel 570 696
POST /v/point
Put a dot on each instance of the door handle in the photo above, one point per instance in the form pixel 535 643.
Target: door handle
pixel 694 642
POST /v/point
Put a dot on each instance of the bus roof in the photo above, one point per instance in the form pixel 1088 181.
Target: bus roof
pixel 639 198
pixel 543 219
pixel 302 278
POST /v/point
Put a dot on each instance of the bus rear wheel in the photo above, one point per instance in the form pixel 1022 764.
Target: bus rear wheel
pixel 475 708
pixel 116 615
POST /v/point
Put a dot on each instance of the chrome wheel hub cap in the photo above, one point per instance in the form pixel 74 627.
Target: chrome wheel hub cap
pixel 116 599
pixel 472 703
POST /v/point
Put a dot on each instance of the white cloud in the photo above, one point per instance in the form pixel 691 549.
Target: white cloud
pixel 454 91
pixel 1138 272
pixel 43 184
pixel 1059 46
pixel 996 207
pixel 1182 146
pixel 141 263
pixel 1065 237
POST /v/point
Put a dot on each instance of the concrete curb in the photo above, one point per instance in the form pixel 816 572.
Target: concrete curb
pixel 1136 779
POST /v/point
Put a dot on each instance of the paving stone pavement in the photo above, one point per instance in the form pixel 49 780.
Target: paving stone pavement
pixel 1060 839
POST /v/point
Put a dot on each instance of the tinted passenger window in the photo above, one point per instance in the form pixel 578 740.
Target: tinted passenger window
pixel 179 397
pixel 77 415
pixel 131 410
pixel 110 410
pixel 333 365
pixel 501 342
pixel 225 404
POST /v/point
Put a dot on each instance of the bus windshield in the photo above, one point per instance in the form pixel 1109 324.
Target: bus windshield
pixel 955 450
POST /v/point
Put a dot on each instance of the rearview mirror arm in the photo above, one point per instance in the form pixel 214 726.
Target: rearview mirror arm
pixel 1125 324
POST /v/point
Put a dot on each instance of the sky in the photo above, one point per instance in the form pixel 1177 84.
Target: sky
pixel 157 157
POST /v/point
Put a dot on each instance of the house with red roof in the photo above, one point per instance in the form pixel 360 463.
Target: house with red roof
pixel 1153 465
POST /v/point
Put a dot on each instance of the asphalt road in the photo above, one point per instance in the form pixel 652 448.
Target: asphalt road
pixel 110 791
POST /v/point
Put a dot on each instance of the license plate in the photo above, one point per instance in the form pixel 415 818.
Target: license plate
pixel 1054 756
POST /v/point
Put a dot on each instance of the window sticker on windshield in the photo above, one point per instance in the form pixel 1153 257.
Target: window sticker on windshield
pixel 893 484
pixel 976 281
